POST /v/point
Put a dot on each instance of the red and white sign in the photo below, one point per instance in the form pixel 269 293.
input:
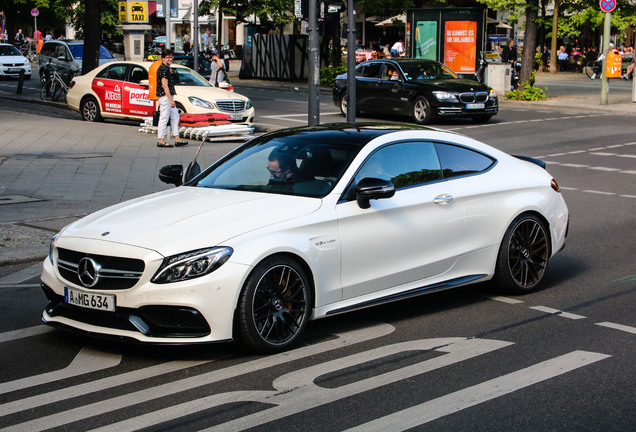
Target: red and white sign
pixel 608 5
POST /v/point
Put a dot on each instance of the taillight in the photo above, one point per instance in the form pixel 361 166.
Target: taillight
pixel 555 185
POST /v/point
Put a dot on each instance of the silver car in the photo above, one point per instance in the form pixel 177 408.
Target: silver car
pixel 67 57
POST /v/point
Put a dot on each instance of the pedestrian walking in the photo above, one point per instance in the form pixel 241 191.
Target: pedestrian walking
pixel 167 105
pixel 217 69
pixel 186 43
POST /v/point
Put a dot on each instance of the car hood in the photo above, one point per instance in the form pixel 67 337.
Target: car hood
pixel 453 85
pixel 14 59
pixel 189 218
pixel 207 93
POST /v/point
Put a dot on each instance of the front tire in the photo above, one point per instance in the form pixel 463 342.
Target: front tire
pixel 180 108
pixel 90 111
pixel 421 111
pixel 523 255
pixel 274 306
pixel 343 104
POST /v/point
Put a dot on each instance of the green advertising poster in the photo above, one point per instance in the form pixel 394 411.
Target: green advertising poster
pixel 426 40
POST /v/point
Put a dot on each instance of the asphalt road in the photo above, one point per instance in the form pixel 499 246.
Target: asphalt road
pixel 560 359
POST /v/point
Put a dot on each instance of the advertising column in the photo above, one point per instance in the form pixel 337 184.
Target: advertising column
pixel 460 51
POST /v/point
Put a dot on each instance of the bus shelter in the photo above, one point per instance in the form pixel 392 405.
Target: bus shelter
pixel 453 36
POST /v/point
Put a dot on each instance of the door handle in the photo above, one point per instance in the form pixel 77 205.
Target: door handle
pixel 99 84
pixel 443 199
pixel 127 88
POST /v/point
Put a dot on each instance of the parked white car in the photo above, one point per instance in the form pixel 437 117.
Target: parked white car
pixel 301 224
pixel 12 62
pixel 120 90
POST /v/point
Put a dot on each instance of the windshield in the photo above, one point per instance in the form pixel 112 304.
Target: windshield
pixel 290 165
pixel 187 77
pixel 427 71
pixel 9 50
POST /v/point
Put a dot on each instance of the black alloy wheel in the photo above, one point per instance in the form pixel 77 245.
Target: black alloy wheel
pixel 274 306
pixel 523 255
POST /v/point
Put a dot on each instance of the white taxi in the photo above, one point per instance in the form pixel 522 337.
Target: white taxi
pixel 119 90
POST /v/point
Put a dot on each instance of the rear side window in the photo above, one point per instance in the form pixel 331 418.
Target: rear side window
pixel 114 72
pixel 458 161
pixel 371 70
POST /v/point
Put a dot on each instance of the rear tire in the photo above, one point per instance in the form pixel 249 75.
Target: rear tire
pixel 90 111
pixel 343 104
pixel 523 255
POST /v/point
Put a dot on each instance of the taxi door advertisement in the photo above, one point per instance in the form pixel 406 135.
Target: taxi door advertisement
pixel 109 92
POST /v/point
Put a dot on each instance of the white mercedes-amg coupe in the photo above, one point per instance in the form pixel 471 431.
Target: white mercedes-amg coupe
pixel 300 224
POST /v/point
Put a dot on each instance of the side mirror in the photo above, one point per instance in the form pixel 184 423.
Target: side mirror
pixel 171 174
pixel 373 188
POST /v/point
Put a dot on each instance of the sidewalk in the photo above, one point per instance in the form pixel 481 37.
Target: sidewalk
pixel 81 170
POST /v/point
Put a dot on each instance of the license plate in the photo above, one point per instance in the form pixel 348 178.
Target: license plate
pixel 13 70
pixel 99 301
pixel 236 116
pixel 475 106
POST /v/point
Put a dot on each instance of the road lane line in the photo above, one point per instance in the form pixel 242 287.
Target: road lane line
pixel 86 361
pixel 557 312
pixel 503 299
pixel 22 275
pixel 344 339
pixel 480 393
pixel 621 327
pixel 96 386
pixel 296 391
pixel 24 333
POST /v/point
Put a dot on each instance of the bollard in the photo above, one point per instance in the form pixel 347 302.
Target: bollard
pixel 20 81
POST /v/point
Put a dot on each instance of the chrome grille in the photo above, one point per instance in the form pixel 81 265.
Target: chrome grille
pixel 115 273
pixel 230 105
pixel 469 97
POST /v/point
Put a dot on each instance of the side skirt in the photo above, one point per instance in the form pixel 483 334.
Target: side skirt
pixel 452 283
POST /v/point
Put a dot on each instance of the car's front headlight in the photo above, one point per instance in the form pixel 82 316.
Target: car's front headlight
pixel 198 102
pixel 445 96
pixel 248 104
pixel 52 247
pixel 190 265
pixel 492 94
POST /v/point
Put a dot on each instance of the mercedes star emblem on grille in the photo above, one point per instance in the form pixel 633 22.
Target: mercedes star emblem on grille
pixel 88 272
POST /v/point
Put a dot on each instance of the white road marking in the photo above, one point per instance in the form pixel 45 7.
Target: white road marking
pixel 557 312
pixel 86 361
pixel 296 391
pixel 504 299
pixel 95 386
pixel 621 327
pixel 83 412
pixel 22 275
pixel 480 393
pixel 24 333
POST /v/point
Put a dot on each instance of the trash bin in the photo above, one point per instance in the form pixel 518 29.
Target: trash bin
pixel 498 77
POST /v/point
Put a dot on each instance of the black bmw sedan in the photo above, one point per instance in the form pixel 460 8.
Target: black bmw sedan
pixel 421 89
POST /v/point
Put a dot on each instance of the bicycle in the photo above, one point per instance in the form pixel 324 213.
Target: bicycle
pixel 54 86
pixel 592 68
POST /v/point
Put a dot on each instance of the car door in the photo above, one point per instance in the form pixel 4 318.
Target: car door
pixel 136 101
pixel 410 237
pixel 108 86
pixel 366 86
pixel 391 95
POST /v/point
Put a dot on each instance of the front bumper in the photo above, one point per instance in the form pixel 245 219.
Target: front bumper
pixel 199 310
pixel 461 110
